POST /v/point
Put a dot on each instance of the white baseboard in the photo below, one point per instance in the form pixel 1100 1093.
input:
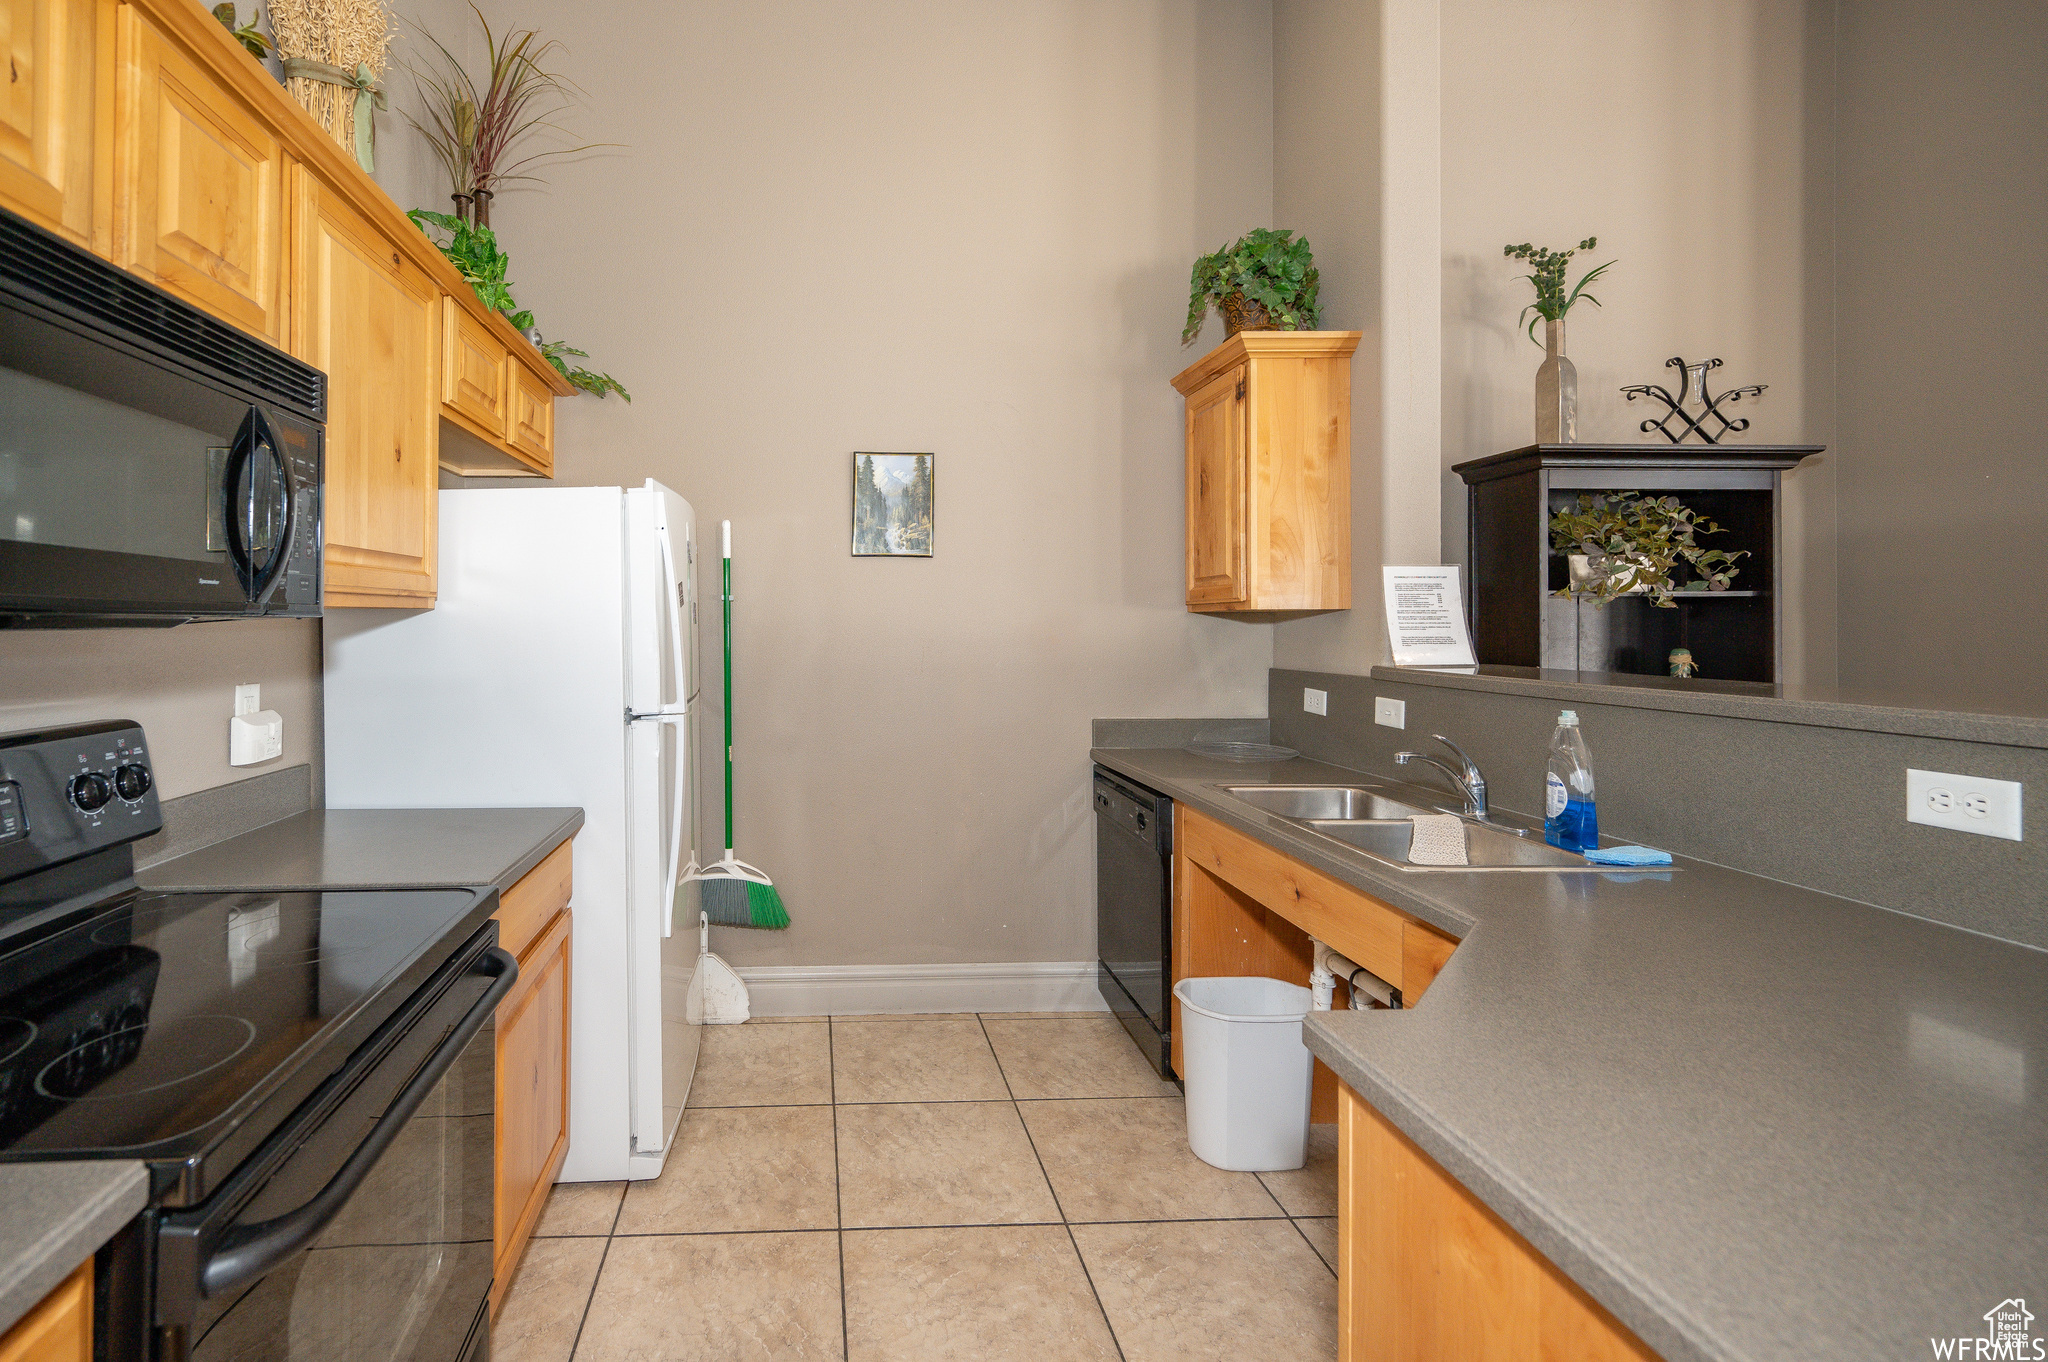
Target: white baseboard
pixel 1022 986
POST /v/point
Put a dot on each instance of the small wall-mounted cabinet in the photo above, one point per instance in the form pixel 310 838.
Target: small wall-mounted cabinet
pixel 1268 433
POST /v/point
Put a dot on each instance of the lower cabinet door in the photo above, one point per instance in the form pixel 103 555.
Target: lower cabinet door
pixel 59 1329
pixel 368 316
pixel 533 1096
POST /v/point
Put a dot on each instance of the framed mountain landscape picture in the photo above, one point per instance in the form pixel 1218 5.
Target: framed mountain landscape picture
pixel 892 505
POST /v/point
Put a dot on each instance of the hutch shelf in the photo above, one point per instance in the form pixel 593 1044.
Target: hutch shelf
pixel 1518 619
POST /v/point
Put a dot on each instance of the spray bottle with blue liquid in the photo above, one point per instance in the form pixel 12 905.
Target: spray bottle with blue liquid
pixel 1570 819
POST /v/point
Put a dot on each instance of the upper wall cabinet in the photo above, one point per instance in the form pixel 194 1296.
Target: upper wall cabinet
pixel 56 115
pixel 363 308
pixel 201 184
pixel 1269 474
pixel 502 394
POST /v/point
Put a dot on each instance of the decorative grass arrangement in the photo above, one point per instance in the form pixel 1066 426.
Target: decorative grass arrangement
pixel 477 128
pixel 343 34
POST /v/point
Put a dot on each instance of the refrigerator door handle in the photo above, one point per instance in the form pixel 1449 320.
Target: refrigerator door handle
pixel 678 608
pixel 678 796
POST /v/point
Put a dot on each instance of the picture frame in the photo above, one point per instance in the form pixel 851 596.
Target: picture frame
pixel 894 505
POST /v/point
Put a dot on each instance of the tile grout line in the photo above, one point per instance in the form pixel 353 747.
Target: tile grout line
pixel 1295 1220
pixel 1058 1205
pixel 838 1193
pixel 590 1299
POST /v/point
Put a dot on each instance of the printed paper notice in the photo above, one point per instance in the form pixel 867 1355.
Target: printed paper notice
pixel 1426 617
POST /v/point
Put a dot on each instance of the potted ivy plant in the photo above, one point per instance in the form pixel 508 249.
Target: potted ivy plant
pixel 1266 281
pixel 1623 543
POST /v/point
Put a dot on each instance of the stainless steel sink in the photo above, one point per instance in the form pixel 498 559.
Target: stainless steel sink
pixel 1370 820
pixel 1307 803
pixel 1485 848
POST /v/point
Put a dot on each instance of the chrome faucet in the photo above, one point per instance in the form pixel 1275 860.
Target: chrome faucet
pixel 1470 783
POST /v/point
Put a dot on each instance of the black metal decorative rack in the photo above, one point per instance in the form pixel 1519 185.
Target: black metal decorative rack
pixel 1513 575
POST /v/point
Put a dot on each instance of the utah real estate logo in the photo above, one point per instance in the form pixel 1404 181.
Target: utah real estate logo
pixel 2008 1327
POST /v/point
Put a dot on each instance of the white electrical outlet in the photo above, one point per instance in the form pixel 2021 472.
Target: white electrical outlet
pixel 1989 808
pixel 248 699
pixel 1315 701
pixel 1392 713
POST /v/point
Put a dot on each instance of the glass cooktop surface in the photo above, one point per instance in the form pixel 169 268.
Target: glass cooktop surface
pixel 153 1025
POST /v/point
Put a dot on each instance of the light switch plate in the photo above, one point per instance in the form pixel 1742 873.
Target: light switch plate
pixel 1392 713
pixel 248 698
pixel 1989 808
pixel 1315 701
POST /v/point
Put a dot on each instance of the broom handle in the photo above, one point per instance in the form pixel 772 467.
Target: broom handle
pixel 725 532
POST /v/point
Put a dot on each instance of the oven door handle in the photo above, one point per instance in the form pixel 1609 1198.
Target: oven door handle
pixel 249 1251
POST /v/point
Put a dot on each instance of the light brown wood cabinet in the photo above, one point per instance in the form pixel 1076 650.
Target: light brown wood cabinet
pixel 501 394
pixel 200 184
pixel 1425 1270
pixel 1242 908
pixel 533 1059
pixel 142 131
pixel 364 307
pixel 56 115
pixel 59 1329
pixel 1268 433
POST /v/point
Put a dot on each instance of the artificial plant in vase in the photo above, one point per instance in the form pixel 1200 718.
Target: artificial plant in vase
pixel 1266 281
pixel 1625 544
pixel 477 128
pixel 1557 382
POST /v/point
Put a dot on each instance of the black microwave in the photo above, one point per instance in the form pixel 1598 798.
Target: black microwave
pixel 156 465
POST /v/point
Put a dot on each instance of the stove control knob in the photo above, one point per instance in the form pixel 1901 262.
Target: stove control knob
pixel 91 791
pixel 131 782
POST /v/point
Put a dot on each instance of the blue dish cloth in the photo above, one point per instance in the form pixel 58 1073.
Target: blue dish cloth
pixel 1630 855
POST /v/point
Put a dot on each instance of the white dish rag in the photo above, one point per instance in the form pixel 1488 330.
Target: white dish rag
pixel 1439 840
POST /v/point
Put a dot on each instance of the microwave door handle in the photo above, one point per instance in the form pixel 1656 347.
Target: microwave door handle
pixel 232 514
pixel 286 536
pixel 252 1250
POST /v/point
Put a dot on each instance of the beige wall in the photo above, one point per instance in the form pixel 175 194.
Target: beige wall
pixel 1356 170
pixel 1943 145
pixel 179 684
pixel 927 226
pixel 1673 133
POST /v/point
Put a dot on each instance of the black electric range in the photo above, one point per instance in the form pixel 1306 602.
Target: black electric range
pixel 308 1076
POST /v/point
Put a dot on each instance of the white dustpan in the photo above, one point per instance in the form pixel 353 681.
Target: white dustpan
pixel 717 997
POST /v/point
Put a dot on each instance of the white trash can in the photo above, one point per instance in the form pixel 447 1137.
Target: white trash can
pixel 1247 1072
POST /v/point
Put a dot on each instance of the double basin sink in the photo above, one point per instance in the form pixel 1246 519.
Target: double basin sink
pixel 1373 821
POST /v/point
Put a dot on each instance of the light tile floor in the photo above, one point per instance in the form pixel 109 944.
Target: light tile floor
pixel 896 1189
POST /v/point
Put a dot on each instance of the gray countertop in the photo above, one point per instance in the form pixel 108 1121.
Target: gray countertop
pixel 374 848
pixel 1752 1120
pixel 57 1216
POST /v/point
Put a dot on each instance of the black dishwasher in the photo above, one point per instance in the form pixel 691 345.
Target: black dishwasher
pixel 1134 910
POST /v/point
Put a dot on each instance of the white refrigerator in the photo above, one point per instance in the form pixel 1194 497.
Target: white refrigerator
pixel 557 667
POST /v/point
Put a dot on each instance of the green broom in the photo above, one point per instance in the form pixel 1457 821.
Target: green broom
pixel 735 893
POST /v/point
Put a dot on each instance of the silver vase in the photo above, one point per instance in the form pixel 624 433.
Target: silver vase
pixel 1557 391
